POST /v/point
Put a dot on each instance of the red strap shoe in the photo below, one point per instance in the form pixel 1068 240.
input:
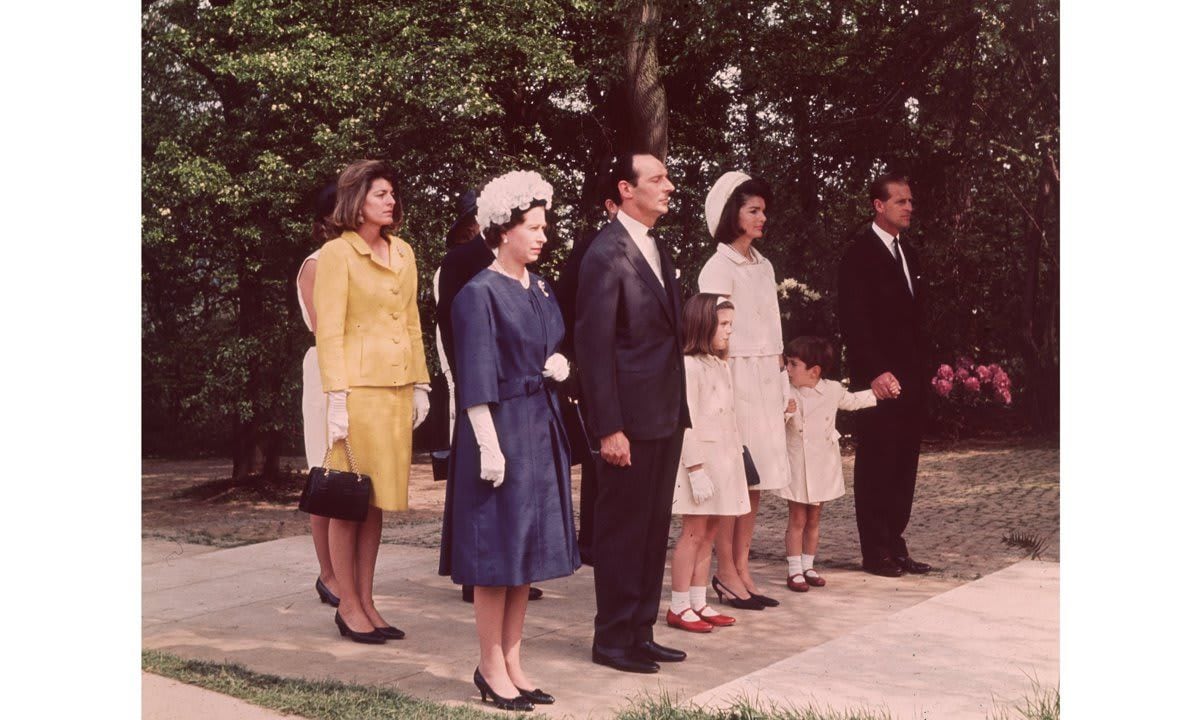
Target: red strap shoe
pixel 796 583
pixel 697 625
pixel 712 617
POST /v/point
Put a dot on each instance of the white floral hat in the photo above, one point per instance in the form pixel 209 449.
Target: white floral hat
pixel 516 190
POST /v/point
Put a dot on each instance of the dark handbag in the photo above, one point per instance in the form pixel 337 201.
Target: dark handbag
pixel 441 464
pixel 336 493
pixel 751 471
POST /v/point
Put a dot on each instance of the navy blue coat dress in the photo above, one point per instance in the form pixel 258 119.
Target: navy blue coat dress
pixel 524 530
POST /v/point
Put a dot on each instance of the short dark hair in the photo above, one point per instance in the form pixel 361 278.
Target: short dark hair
pixel 812 350
pixel 491 234
pixel 700 323
pixel 623 169
pixel 728 228
pixel 879 186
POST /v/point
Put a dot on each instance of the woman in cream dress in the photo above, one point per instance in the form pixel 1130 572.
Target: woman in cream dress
pixel 735 211
pixel 312 399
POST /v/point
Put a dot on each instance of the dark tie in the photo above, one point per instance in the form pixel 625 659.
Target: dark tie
pixel 900 262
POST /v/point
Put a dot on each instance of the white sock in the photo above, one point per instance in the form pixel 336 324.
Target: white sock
pixel 808 563
pixel 698 595
pixel 679 602
pixel 796 564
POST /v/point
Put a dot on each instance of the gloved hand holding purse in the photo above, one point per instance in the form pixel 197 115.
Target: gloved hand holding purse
pixel 337 417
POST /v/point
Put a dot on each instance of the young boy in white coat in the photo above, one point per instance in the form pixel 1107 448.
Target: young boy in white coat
pixel 813 452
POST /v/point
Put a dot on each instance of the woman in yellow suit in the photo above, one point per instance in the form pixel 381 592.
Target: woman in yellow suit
pixel 373 371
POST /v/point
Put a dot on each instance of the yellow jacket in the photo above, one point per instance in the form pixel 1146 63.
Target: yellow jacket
pixel 368 331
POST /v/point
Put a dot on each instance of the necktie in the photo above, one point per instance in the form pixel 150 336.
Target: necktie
pixel 900 262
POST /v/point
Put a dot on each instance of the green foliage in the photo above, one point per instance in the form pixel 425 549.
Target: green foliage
pixel 250 105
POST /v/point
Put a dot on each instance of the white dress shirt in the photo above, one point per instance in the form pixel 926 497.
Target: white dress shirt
pixel 887 242
pixel 641 237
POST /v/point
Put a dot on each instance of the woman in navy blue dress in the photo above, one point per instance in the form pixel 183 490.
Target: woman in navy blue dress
pixel 508 519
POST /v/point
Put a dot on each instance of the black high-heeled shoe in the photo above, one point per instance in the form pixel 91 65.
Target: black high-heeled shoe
pixel 764 600
pixel 390 633
pixel 536 696
pixel 740 603
pixel 370 638
pixel 520 702
pixel 326 595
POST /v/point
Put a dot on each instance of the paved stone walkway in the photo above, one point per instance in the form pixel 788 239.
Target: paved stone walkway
pixel 255 605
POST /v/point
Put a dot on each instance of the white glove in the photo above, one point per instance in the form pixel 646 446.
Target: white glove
pixel 420 405
pixel 557 368
pixel 337 418
pixel 491 460
pixel 702 485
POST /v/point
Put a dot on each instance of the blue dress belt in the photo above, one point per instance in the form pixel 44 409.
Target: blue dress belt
pixel 518 387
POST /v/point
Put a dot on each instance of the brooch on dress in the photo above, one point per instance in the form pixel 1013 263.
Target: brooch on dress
pixel 542 287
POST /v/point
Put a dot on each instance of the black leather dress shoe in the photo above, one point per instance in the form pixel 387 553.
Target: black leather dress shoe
pixel 620 660
pixel 885 567
pixel 650 650
pixel 909 565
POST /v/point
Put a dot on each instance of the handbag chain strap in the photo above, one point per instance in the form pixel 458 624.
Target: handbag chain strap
pixel 349 454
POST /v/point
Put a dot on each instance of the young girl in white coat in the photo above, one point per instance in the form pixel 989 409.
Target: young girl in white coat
pixel 710 485
pixel 814 456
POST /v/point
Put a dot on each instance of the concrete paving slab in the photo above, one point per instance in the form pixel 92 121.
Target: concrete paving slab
pixel 167 699
pixel 961 654
pixel 255 605
pixel 156 550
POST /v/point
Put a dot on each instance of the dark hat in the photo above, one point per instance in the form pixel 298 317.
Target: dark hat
pixel 464 209
pixel 466 205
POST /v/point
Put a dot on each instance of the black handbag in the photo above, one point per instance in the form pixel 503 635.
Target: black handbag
pixel 336 493
pixel 751 471
pixel 441 464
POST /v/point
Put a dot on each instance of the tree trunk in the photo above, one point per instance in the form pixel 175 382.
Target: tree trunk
pixel 646 97
pixel 1037 343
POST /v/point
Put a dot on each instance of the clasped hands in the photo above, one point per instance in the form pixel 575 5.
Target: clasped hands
pixel 886 386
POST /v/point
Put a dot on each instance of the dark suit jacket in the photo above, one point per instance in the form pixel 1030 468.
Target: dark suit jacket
pixel 566 287
pixel 880 320
pixel 627 340
pixel 458 267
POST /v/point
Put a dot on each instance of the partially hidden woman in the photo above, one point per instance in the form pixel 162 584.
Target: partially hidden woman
pixel 508 520
pixel 736 213
pixel 372 363
pixel 312 396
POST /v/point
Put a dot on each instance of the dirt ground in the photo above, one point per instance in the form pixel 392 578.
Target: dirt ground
pixel 979 507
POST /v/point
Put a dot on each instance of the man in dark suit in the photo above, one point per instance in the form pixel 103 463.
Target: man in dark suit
pixel 570 393
pixel 880 296
pixel 463 261
pixel 627 341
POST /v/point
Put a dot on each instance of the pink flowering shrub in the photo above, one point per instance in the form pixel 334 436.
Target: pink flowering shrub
pixel 969 394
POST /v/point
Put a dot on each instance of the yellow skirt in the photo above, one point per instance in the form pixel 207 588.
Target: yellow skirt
pixel 381 440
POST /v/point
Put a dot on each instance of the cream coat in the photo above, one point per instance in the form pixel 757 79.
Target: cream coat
pixel 713 441
pixel 812 441
pixel 754 355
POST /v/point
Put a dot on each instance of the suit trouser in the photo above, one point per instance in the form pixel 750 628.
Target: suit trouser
pixel 885 476
pixel 629 544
